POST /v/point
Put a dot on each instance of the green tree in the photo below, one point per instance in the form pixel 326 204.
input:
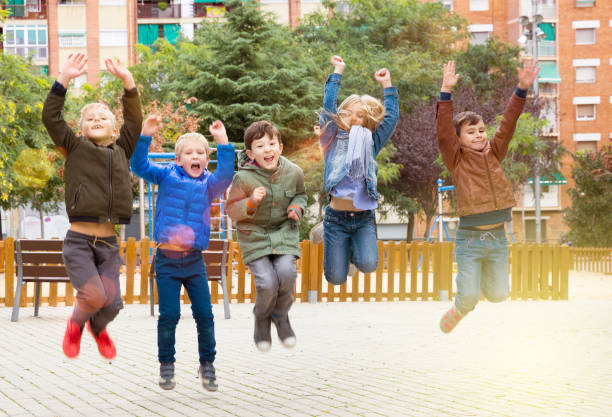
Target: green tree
pixel 589 217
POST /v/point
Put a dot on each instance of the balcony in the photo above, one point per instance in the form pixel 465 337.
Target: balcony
pixel 29 9
pixel 545 48
pixel 154 11
pixel 210 9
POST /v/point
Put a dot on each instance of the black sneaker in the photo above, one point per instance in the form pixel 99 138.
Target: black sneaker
pixel 166 375
pixel 284 330
pixel 207 375
pixel 262 337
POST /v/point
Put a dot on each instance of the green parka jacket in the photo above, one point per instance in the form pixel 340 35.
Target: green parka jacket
pixel 268 230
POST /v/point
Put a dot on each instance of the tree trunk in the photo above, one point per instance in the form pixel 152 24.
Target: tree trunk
pixel 42 224
pixel 428 218
pixel 410 229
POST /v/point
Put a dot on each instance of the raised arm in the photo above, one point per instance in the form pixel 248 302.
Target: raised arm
pixel 222 177
pixel 330 102
pixel 241 203
pixel 385 129
pixel 61 134
pixel 448 142
pixel 505 131
pixel 139 162
pixel 132 112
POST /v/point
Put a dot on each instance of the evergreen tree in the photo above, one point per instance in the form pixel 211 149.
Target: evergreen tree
pixel 589 216
pixel 249 68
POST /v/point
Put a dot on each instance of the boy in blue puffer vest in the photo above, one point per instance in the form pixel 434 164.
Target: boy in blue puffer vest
pixel 182 230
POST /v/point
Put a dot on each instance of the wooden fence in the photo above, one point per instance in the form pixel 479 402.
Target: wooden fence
pixel 406 271
pixel 591 259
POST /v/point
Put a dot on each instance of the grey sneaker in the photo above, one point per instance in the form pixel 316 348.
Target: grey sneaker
pixel 284 330
pixel 316 233
pixel 262 337
pixel 166 375
pixel 207 375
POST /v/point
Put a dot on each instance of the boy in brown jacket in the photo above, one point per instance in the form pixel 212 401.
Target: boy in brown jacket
pixel 98 196
pixel 484 196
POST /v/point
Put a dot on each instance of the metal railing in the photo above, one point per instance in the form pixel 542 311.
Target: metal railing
pixel 26 11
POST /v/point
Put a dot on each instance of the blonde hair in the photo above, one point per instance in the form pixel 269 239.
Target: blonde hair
pixel 374 111
pixel 180 142
pixel 101 106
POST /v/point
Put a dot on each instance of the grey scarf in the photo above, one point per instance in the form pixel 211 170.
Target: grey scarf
pixel 359 152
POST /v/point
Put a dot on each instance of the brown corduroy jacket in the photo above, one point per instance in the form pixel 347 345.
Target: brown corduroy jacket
pixel 480 183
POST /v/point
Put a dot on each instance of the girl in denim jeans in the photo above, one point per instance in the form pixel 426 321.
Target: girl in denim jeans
pixel 351 137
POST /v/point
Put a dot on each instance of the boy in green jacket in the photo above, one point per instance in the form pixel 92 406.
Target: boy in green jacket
pixel 266 200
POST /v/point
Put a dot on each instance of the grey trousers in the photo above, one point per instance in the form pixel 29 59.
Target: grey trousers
pixel 274 277
pixel 93 266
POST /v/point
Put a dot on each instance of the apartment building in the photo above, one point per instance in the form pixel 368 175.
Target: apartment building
pixel 575 84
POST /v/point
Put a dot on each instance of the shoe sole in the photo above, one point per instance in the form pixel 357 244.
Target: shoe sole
pixel 263 346
pixel 206 385
pixel 167 387
pixel 289 342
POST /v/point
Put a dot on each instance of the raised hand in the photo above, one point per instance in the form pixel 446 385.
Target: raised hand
pixel 73 67
pixel 151 125
pixel 121 72
pixel 258 194
pixel 217 130
pixel 450 78
pixel 338 64
pixel 383 76
pixel 528 73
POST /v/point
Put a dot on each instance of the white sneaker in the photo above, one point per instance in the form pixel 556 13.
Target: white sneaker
pixel 316 233
pixel 352 270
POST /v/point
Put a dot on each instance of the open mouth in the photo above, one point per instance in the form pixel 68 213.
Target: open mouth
pixel 269 159
pixel 195 166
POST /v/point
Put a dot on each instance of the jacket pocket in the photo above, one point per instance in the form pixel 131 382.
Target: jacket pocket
pixel 75 200
pixel 290 193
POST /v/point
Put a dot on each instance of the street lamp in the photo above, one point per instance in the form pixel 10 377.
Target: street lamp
pixel 532 32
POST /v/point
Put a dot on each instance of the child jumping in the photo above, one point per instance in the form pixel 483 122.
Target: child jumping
pixel 182 230
pixel 351 136
pixel 98 195
pixel 484 196
pixel 267 200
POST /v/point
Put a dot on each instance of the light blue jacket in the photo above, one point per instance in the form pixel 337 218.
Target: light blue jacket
pixel 334 140
pixel 182 212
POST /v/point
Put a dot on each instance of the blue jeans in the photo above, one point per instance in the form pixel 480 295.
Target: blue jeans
pixel 171 272
pixel 482 266
pixel 349 236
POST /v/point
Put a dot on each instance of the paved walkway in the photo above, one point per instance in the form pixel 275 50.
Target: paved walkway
pixel 512 359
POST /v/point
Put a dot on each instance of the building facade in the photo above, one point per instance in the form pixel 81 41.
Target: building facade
pixel 575 85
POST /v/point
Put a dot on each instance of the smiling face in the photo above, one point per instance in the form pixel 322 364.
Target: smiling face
pixel 97 123
pixel 192 157
pixel 266 151
pixel 473 136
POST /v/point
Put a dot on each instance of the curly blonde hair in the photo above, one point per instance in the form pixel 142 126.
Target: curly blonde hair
pixel 372 107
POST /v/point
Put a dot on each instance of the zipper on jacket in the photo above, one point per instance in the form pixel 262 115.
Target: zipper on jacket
pixel 490 181
pixel 110 182
pixel 76 197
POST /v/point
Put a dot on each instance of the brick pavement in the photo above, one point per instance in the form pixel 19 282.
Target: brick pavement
pixel 512 359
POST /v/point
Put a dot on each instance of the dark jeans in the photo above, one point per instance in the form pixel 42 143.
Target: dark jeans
pixel 93 265
pixel 348 236
pixel 172 271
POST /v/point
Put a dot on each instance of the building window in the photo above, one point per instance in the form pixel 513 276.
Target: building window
pixel 586 146
pixel 112 2
pixel 72 2
pixel 585 112
pixel 479 38
pixel 26 41
pixel 479 5
pixel 447 3
pixel 585 3
pixel 585 36
pixel 71 39
pixel 585 74
pixel 113 37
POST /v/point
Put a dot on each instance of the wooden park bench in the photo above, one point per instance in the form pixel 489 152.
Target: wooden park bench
pixel 37 261
pixel 215 259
